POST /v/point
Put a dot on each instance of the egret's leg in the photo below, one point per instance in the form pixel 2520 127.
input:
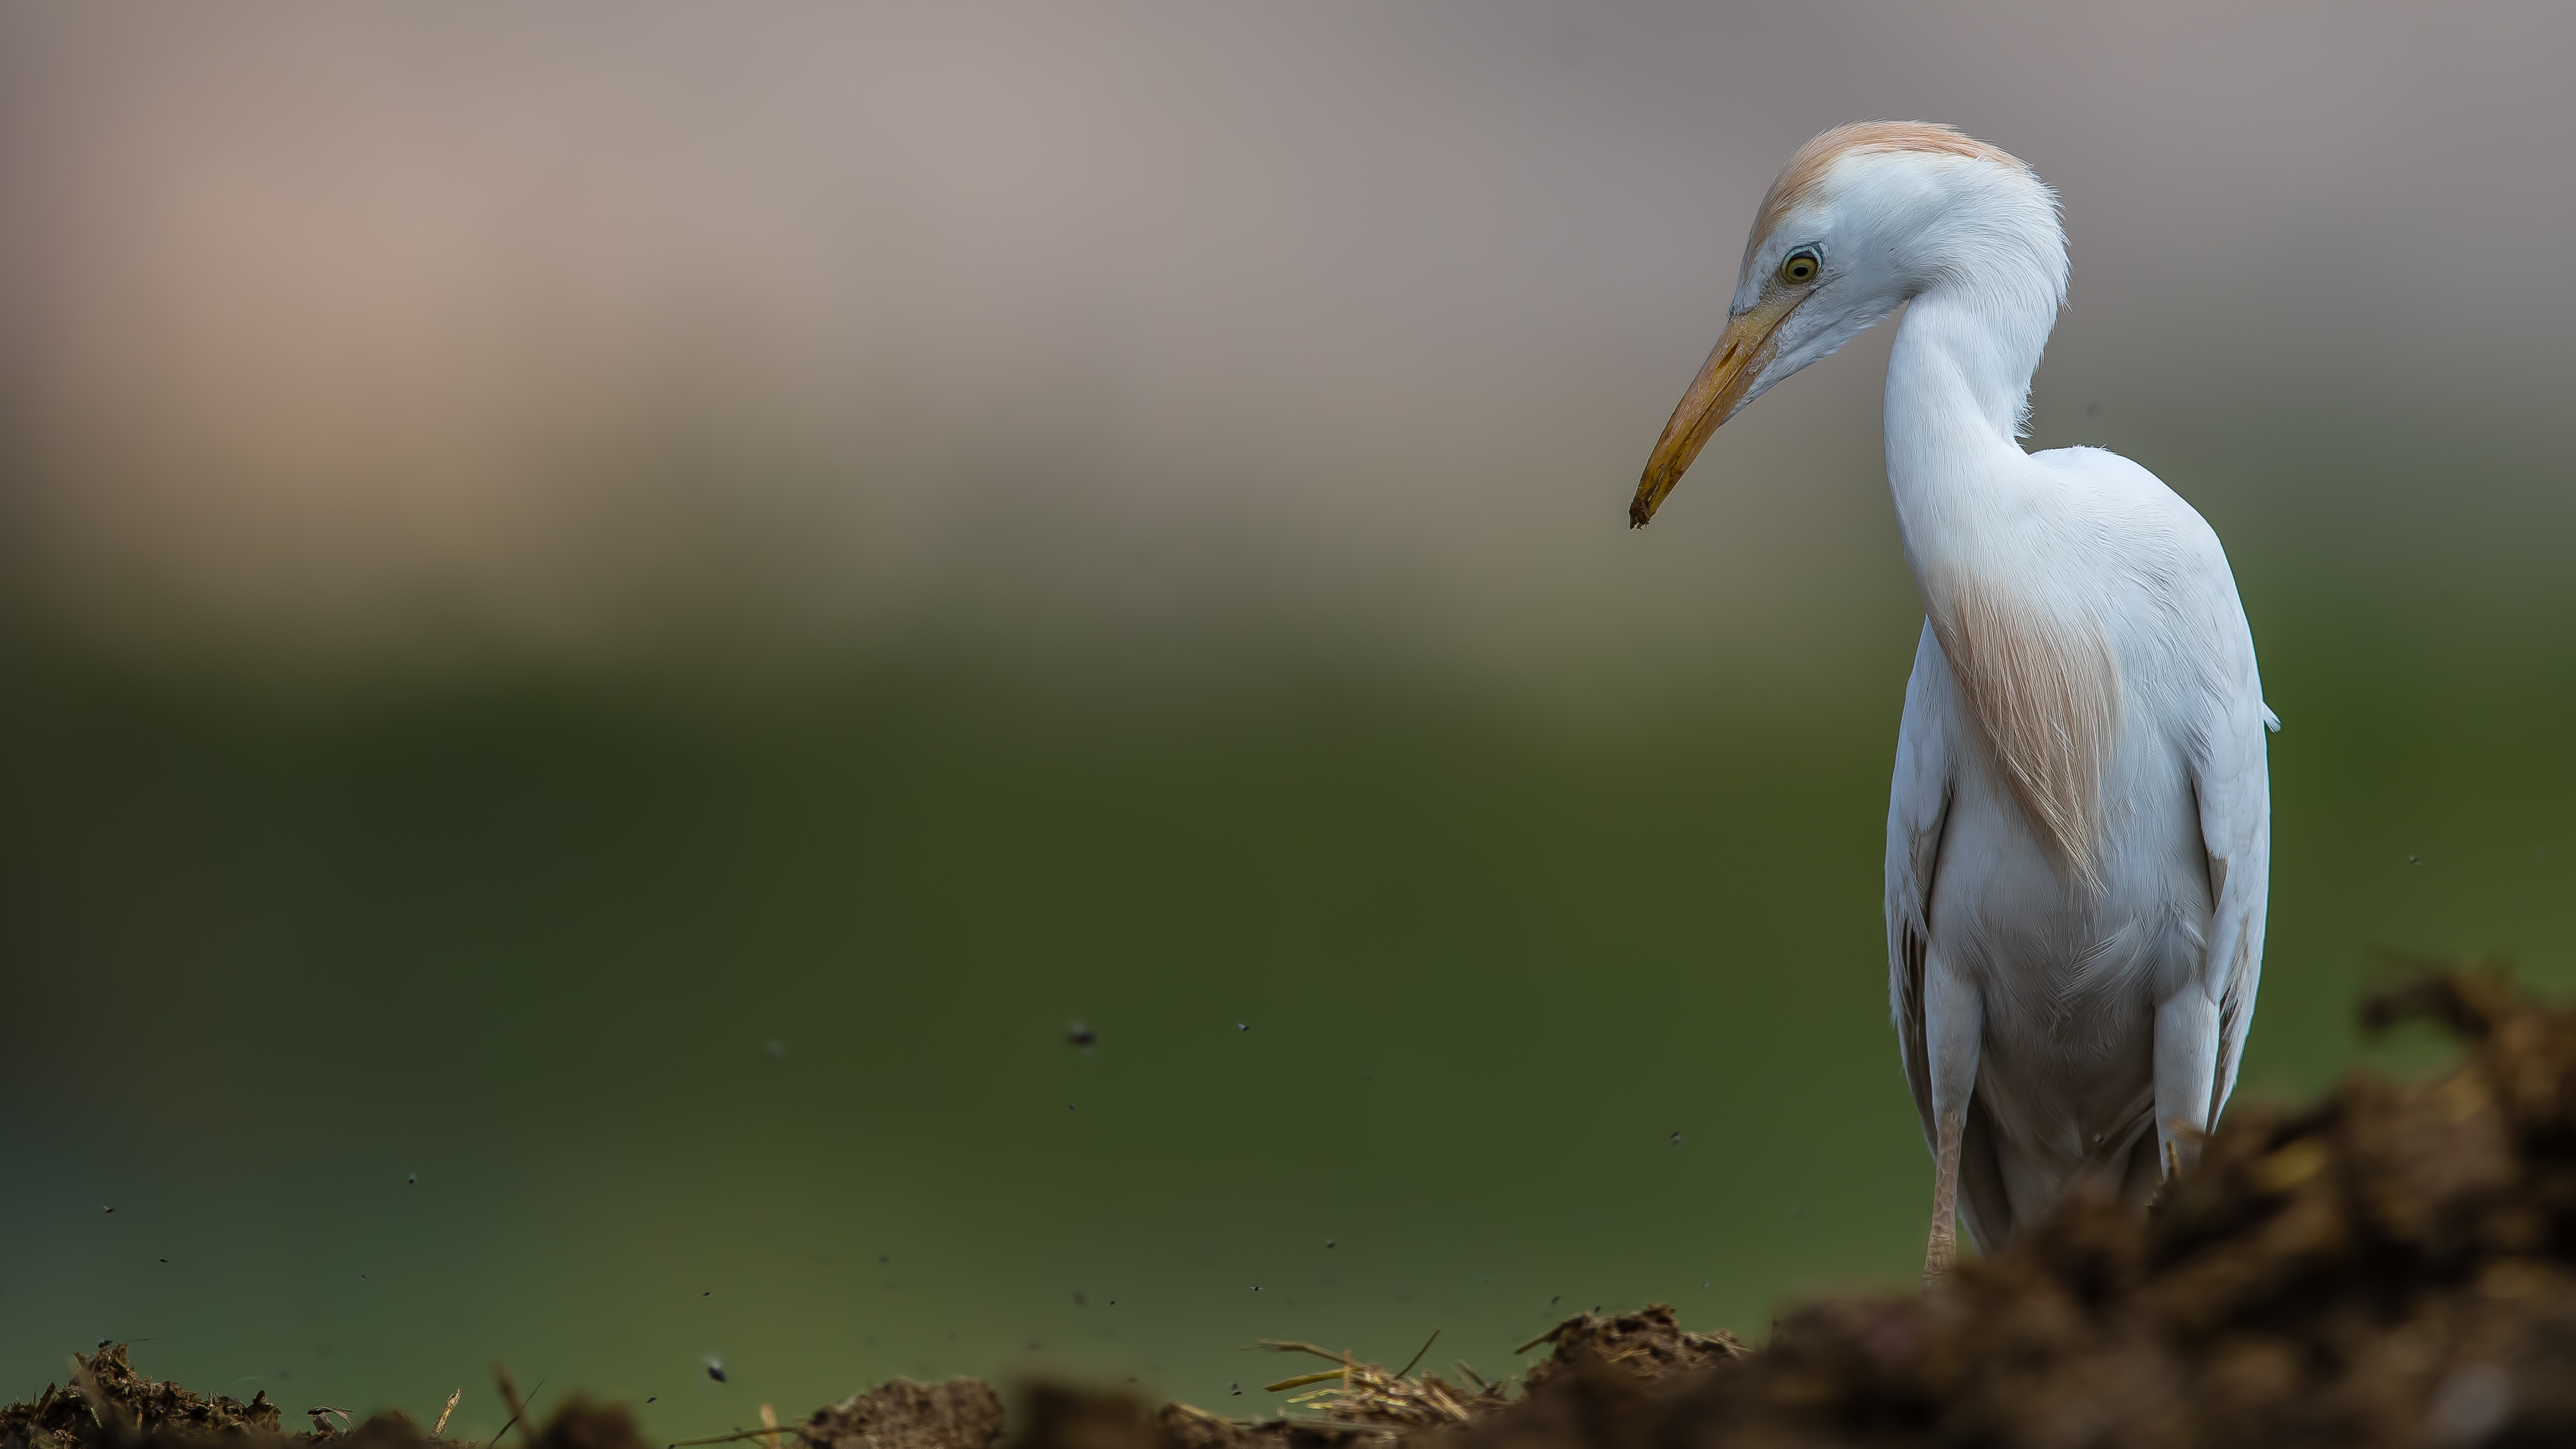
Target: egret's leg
pixel 2186 1073
pixel 1943 1252
pixel 1954 1023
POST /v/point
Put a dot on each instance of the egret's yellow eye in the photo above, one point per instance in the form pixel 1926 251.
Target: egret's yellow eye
pixel 1799 266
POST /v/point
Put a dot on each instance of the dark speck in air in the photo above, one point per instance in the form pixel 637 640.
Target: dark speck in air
pixel 1242 1026
pixel 648 1398
pixel 1237 1388
pixel 413 1180
pixel 1677 1139
pixel 1079 1035
pixel 2410 860
pixel 1328 1242
pixel 716 1371
pixel 105 1209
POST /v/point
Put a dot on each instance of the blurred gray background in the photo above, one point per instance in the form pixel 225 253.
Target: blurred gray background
pixel 631 610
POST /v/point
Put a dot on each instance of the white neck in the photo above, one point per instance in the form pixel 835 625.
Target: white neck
pixel 1957 380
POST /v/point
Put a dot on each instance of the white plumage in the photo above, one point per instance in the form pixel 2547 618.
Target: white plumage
pixel 2079 828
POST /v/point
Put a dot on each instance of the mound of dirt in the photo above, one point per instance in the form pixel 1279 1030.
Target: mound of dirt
pixel 1363 1403
pixel 108 1405
pixel 962 1413
pixel 1648 1344
pixel 106 1395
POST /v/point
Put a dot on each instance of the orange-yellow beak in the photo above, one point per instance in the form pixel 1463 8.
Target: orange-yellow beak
pixel 1714 395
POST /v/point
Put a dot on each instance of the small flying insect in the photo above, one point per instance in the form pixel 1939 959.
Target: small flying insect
pixel 1078 1034
pixel 715 1369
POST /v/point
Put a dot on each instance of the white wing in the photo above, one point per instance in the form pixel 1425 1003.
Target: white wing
pixel 1918 807
pixel 2233 784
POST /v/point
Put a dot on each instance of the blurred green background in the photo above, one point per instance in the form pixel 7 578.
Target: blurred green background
pixel 618 619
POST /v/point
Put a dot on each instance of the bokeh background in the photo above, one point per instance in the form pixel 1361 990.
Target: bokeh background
pixel 616 617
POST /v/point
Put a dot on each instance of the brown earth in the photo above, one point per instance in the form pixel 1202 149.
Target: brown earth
pixel 2394 1266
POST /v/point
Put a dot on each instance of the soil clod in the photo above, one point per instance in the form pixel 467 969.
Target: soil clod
pixel 962 1413
pixel 1648 1344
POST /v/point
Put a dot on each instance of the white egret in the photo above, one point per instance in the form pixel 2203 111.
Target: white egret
pixel 2079 830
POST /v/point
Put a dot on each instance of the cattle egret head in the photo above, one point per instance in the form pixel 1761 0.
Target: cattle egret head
pixel 1861 220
